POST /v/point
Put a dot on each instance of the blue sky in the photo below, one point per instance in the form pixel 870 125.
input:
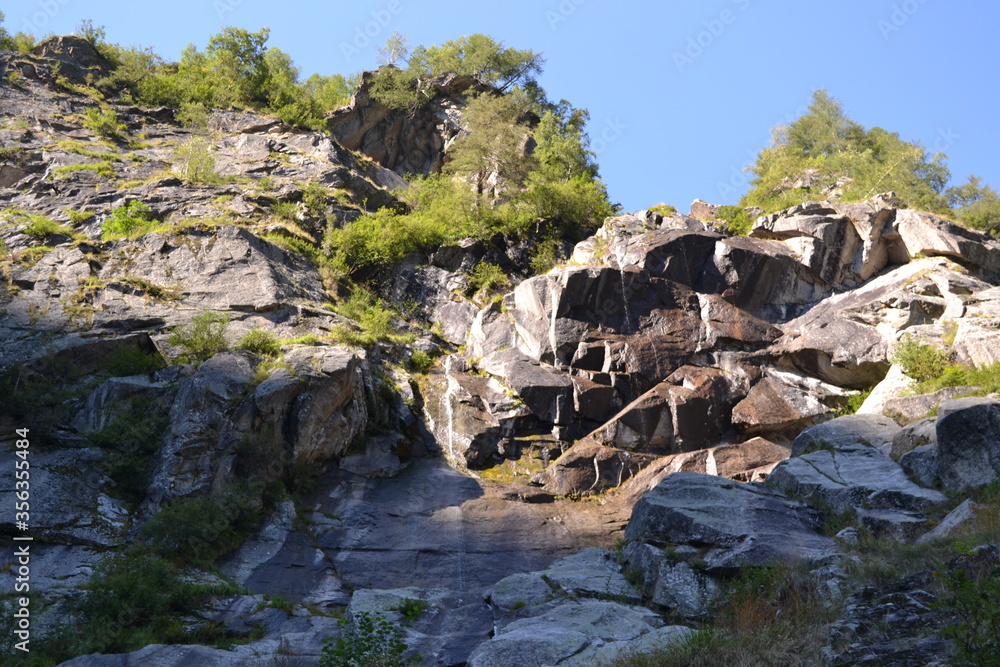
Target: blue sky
pixel 682 95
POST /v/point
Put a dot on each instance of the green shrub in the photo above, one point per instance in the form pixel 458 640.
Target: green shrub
pixel 973 603
pixel 260 341
pixel 372 641
pixel 395 88
pixel 666 210
pixel 488 277
pixel 129 442
pixel 78 217
pixel 738 221
pixel 420 362
pixel 195 162
pixel 918 360
pixel 203 337
pixel 198 530
pixel 129 221
pixel 193 115
pixel 41 227
pixel 103 121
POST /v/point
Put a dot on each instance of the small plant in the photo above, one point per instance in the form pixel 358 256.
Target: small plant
pixel 420 362
pixel 920 361
pixel 287 210
pixel 41 227
pixel 129 221
pixel 103 121
pixel 102 169
pixel 738 221
pixel 15 79
pixel 488 277
pixel 260 341
pixel 412 609
pixel 371 641
pixel 196 163
pixel 78 217
pixel 974 604
pixel 203 337
pixel 193 115
pixel 666 210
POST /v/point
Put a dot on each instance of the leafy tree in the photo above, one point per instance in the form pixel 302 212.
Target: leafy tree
pixel 492 145
pixel 93 34
pixel 239 62
pixel 6 42
pixel 395 88
pixel 562 146
pixel 479 56
pixel 330 92
pixel 976 205
pixel 395 49
pixel 841 153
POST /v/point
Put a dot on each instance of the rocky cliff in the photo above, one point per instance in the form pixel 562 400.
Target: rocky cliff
pixel 198 397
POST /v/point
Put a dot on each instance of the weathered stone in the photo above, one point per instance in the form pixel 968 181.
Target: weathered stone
pixel 826 242
pixel 702 210
pixel 189 459
pixel 69 505
pixel 737 524
pixel 561 631
pixel 977 333
pixel 921 464
pixel 893 384
pixel 834 349
pixel 851 476
pixel 594 573
pixel 670 582
pixel 659 639
pixel 958 516
pixel 590 467
pixel 547 394
pixel 866 430
pixel 528 589
pixel 104 404
pixel 917 434
pixel 968 443
pixel 924 234
pixel 777 409
pixel 907 409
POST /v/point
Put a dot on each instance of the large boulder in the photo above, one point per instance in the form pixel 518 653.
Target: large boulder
pixel 968 446
pixel 846 477
pixel 548 394
pixel 866 430
pixel 782 404
pixel 733 524
pixel 591 467
pixel 924 234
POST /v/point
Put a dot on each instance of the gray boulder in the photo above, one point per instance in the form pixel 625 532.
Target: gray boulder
pixel 866 430
pixel 851 476
pixel 921 464
pixel 968 443
pixel 736 524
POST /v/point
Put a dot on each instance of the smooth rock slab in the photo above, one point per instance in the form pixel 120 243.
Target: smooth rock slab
pixel 739 524
pixel 563 630
pixel 851 477
pixel 867 430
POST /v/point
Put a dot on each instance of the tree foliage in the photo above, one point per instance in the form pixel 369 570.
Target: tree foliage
pixel 976 205
pixel 842 154
pixel 481 57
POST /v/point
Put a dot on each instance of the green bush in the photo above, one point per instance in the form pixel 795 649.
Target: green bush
pixel 738 221
pixel 41 227
pixel 488 277
pixel 129 221
pixel 195 162
pixel 198 530
pixel 129 443
pixel 103 121
pixel 372 641
pixel 973 603
pixel 260 341
pixel 918 360
pixel 203 337
pixel 133 599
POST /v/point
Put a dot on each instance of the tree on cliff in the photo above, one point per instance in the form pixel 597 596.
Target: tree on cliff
pixel 839 153
pixel 479 56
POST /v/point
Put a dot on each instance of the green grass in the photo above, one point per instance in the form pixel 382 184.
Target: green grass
pixel 260 341
pixel 202 338
pixel 129 221
pixel 103 169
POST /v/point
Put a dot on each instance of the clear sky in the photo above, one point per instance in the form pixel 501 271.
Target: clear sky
pixel 681 94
